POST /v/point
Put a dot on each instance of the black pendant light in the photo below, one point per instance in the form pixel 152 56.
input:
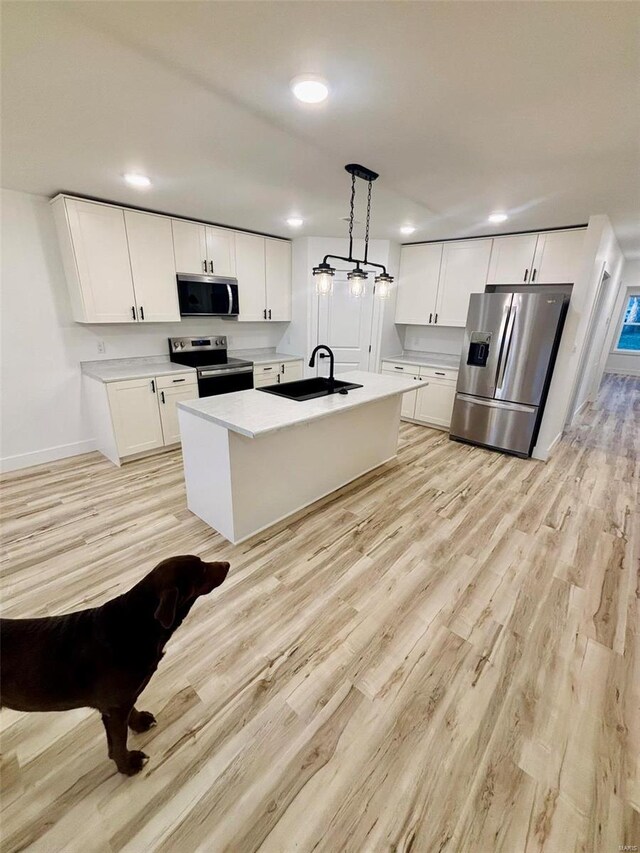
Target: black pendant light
pixel 323 273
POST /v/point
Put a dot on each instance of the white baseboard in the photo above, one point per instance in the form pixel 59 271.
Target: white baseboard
pixel 49 454
pixel 544 454
pixel 623 371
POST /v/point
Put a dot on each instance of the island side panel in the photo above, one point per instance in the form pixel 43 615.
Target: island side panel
pixel 277 474
pixel 207 472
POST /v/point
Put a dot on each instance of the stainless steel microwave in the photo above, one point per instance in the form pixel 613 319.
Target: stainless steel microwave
pixel 208 296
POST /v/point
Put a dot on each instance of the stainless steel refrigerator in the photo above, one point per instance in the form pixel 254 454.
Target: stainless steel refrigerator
pixel 510 345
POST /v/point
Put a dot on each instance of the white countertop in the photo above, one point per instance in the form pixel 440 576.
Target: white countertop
pixel 121 369
pixel 254 413
pixel 426 359
pixel 263 355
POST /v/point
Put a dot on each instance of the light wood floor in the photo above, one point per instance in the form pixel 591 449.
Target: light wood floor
pixel 443 656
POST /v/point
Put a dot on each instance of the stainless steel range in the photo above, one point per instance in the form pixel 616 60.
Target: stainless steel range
pixel 217 373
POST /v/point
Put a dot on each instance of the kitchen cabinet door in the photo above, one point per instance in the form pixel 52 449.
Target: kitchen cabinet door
pixel 278 279
pixel 250 271
pixel 99 242
pixel 189 247
pixel 408 409
pixel 221 251
pixel 434 403
pixel 169 410
pixel 418 283
pixel 512 259
pixel 153 267
pixel 558 257
pixel 291 371
pixel 135 416
pixel 463 271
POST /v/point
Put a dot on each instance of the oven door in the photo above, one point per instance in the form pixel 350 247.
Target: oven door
pixel 213 382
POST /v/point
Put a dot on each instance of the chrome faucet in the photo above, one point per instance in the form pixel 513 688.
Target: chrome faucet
pixel 312 360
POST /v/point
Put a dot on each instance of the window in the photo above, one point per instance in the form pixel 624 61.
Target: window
pixel 630 332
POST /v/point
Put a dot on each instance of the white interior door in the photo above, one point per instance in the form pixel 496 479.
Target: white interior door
pixel 345 325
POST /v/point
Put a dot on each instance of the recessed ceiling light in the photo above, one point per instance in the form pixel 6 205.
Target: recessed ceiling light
pixel 139 181
pixel 310 88
pixel 498 217
pixel 295 221
pixel 407 229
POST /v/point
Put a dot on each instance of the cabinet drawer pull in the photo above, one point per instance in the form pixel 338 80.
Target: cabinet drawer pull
pixel 178 380
pixel 162 396
pixel 440 374
pixel 153 386
pixel 395 367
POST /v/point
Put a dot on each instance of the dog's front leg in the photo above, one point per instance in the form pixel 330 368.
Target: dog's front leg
pixel 115 723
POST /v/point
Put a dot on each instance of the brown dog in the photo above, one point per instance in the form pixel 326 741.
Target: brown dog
pixel 104 657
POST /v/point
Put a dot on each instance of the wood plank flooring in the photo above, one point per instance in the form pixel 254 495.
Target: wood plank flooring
pixel 442 656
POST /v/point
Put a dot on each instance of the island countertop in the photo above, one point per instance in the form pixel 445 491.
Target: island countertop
pixel 254 413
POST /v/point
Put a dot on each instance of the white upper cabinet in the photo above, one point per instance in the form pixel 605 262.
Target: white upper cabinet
pixel 153 267
pixel 189 247
pixel 418 283
pixel 221 251
pixel 463 271
pixel 250 272
pixel 558 256
pixel 278 279
pixel 95 252
pixel 512 259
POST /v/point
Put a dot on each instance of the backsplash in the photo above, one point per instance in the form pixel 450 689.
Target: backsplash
pixel 445 339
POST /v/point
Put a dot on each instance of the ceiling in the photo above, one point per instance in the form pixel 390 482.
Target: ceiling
pixel 463 107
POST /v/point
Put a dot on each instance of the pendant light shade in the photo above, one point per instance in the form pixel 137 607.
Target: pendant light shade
pixel 356 279
pixel 323 275
pixel 383 285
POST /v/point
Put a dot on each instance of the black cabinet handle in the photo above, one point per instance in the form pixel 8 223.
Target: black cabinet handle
pixel 439 374
pixel 211 265
pixel 178 380
pixel 533 277
pixel 153 386
pixel 162 396
pixel 204 266
pixel 526 274
pixel 133 311
pixel 397 368
pixel 264 313
pixel 141 313
pixel 268 368
pixel 431 316
pixel 435 319
pixel 269 313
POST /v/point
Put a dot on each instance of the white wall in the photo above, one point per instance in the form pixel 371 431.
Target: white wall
pixel 600 247
pixel 445 339
pixel 41 347
pixel 627 363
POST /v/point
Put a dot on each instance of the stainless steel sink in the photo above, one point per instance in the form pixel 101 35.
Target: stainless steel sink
pixel 309 389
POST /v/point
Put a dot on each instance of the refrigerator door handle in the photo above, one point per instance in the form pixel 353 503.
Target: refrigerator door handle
pixel 502 366
pixel 496 404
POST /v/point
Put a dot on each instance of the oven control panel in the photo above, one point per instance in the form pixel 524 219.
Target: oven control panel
pixel 197 344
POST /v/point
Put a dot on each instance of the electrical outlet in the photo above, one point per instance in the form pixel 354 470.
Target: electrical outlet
pixel 101 346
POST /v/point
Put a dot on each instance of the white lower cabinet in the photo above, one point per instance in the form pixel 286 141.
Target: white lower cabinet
pixel 137 415
pixel 434 402
pixel 277 373
pixel 431 404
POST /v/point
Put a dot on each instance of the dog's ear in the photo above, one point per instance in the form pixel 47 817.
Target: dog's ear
pixel 166 609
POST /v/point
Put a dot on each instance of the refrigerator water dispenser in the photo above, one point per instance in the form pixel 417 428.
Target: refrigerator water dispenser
pixel 479 349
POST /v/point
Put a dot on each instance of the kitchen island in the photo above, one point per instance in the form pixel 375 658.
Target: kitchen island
pixel 252 458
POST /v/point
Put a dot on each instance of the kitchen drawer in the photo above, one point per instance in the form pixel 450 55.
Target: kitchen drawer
pixel 400 367
pixel 266 369
pixel 439 373
pixel 266 379
pixel 173 380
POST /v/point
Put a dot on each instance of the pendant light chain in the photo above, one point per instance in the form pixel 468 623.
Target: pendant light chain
pixel 366 235
pixel 353 201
